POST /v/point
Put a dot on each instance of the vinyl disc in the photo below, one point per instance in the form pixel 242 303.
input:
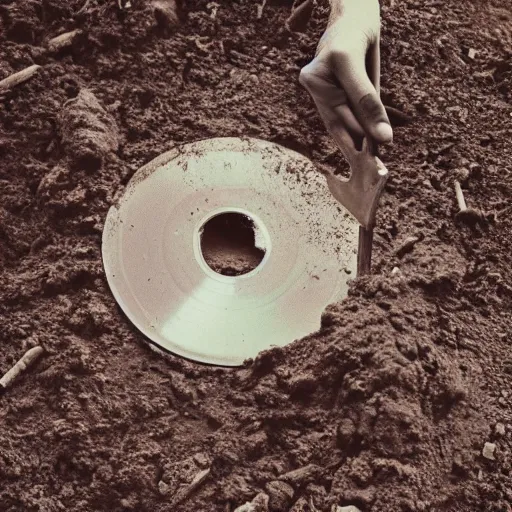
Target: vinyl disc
pixel 157 272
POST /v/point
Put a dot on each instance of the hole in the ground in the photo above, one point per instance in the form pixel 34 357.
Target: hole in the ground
pixel 228 244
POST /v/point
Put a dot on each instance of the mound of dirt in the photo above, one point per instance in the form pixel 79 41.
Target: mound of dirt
pixel 401 402
pixel 89 133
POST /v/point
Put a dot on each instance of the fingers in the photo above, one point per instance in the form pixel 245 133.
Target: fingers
pixel 337 127
pixel 331 102
pixel 348 65
pixel 355 103
pixel 318 79
pixel 345 113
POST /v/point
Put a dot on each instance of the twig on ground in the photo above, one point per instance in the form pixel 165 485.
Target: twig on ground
pixel 186 491
pixel 300 16
pixel 29 358
pixel 18 78
pixel 260 8
pixel 460 197
pixel 201 46
pixel 499 213
pixel 84 7
pixel 57 43
pixel 397 117
pixel 302 475
pixel 312 505
pixel 469 216
pixel 214 7
pixel 407 245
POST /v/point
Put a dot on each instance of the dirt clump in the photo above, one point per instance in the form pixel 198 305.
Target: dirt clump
pixel 89 132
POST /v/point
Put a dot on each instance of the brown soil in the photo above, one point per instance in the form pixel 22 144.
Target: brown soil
pixel 389 406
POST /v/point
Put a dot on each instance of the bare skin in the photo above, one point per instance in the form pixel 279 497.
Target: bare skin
pixel 337 78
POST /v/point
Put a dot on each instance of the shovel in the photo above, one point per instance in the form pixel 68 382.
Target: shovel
pixel 360 193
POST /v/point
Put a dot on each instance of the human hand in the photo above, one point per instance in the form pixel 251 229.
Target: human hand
pixel 337 78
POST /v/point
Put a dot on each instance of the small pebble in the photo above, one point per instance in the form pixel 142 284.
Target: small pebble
pixel 395 271
pixel 488 451
pixel 345 433
pixel 350 508
pixel 302 475
pixel 300 506
pixel 202 460
pixel 165 12
pixel 499 429
pixel 280 495
pixel 462 174
pixel 407 245
pixel 163 488
pixel 258 504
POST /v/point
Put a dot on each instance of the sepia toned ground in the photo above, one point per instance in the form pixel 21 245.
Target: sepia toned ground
pixel 390 405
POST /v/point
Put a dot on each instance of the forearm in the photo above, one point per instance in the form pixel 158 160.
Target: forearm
pixel 338 7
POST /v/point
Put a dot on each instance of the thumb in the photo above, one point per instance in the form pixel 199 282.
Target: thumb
pixel 350 70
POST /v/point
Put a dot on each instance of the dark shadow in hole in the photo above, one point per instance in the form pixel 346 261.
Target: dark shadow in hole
pixel 228 244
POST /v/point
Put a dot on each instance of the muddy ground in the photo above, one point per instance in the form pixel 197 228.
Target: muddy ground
pixel 389 406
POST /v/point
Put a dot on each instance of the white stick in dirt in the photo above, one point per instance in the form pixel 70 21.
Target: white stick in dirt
pixel 260 8
pixel 460 197
pixel 186 491
pixel 57 43
pixel 29 358
pixel 18 78
pixel 470 216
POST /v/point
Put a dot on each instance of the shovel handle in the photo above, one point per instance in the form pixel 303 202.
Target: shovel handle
pixel 365 245
pixel 373 70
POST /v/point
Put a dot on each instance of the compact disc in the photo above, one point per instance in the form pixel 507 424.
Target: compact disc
pixel 155 266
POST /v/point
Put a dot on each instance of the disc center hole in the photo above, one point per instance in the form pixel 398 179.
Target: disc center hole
pixel 230 244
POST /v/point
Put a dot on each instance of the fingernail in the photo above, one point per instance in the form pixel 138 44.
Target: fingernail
pixel 383 132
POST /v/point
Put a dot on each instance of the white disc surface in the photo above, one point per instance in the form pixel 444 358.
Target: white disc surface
pixel 157 273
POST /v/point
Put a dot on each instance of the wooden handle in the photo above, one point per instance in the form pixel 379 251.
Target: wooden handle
pixel 373 70
pixel 364 251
